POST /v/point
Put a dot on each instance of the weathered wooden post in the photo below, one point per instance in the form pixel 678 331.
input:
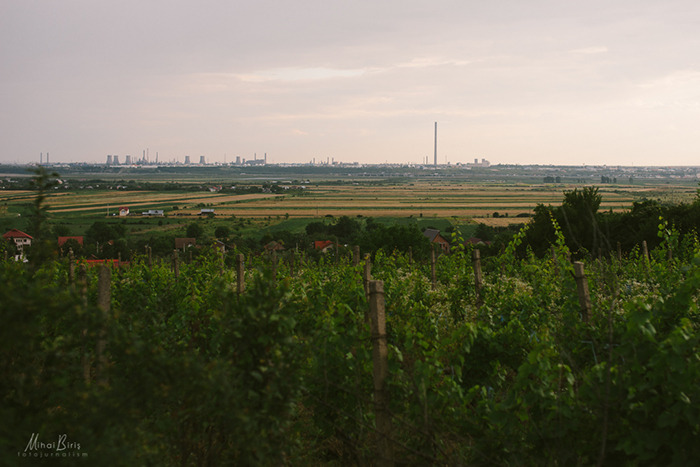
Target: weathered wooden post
pixel 274 267
pixel 176 264
pixel 356 255
pixel 645 254
pixel 476 257
pixel 71 266
pixel 555 262
pixel 584 297
pixel 619 252
pixel 433 277
pixel 103 304
pixel 380 354
pixel 240 272
pixel 367 276
pixel 82 290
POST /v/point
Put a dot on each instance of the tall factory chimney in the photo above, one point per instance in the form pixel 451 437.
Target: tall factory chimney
pixel 435 156
pixel 265 158
pixel 41 158
pixel 47 157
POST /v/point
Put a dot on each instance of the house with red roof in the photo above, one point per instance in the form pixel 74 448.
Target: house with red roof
pixel 323 245
pixel 20 238
pixel 434 236
pixel 63 240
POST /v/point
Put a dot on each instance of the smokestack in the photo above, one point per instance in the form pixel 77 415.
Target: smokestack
pixel 47 157
pixel 265 158
pixel 435 163
pixel 41 158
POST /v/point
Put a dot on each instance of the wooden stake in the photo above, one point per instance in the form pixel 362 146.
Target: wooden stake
pixel 476 258
pixel 274 267
pixel 355 255
pixel 432 267
pixel 71 266
pixel 82 289
pixel 584 297
pixel 176 264
pixel 554 260
pixel 367 274
pixel 103 304
pixel 380 373
pixel 241 273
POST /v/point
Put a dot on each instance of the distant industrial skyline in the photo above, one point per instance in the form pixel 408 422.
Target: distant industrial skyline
pixel 541 82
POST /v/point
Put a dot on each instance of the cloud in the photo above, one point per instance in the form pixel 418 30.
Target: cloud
pixel 590 50
pixel 299 74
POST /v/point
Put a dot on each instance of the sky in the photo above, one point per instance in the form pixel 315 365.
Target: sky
pixel 614 82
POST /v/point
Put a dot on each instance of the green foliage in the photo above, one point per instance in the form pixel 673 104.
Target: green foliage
pixel 282 373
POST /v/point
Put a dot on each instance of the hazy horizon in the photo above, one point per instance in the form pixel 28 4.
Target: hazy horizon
pixel 541 82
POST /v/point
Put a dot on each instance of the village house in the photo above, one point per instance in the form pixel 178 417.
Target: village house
pixel 434 236
pixel 324 245
pixel 123 211
pixel 20 238
pixel 63 240
pixel 153 212
pixel 274 246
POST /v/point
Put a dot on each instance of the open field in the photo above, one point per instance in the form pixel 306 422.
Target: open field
pixel 417 199
pixel 300 199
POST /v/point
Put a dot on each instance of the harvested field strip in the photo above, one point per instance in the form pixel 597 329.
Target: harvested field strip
pixel 155 202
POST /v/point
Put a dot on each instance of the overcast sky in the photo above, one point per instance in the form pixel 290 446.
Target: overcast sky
pixel 513 81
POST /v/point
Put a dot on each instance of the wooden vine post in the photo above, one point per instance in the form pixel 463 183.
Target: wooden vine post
pixel 380 354
pixel 367 276
pixel 176 264
pixel 645 255
pixel 274 267
pixel 71 266
pixel 584 297
pixel 433 278
pixel 82 290
pixel 240 272
pixel 356 255
pixel 478 280
pixel 103 304
pixel 555 262
pixel 619 252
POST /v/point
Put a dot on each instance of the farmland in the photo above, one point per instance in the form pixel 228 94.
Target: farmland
pixel 271 199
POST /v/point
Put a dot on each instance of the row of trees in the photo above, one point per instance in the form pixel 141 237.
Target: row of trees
pixel 590 231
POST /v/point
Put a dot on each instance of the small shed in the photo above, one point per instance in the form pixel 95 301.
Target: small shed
pixel 184 242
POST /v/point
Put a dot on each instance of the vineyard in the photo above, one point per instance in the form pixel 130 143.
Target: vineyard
pixel 507 359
